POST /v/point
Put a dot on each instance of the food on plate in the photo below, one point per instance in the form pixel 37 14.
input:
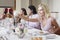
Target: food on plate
pixel 36 38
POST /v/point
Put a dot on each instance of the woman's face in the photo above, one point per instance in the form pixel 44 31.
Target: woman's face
pixel 29 12
pixel 22 11
pixel 41 11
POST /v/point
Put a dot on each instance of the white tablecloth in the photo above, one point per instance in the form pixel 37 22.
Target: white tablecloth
pixel 26 37
pixel 13 36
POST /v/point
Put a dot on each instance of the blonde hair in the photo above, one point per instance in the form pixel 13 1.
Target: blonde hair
pixel 45 7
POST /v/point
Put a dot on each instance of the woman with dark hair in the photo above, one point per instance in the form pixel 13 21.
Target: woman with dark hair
pixel 33 14
pixel 23 11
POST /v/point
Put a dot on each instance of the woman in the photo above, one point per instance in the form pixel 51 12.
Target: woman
pixel 32 13
pixel 48 23
pixel 23 11
pixel 19 20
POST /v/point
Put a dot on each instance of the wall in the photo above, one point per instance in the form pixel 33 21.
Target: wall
pixel 25 4
pixel 1 10
pixel 18 5
pixel 36 3
pixel 7 3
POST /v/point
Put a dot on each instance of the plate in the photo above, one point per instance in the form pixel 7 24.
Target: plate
pixel 51 36
pixel 44 33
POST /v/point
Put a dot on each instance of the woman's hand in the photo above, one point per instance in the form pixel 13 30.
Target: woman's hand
pixel 55 24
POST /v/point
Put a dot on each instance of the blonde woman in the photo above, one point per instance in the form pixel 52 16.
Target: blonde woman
pixel 48 23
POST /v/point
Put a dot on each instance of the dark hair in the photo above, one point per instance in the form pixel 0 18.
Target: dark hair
pixel 11 11
pixel 23 9
pixel 5 11
pixel 33 8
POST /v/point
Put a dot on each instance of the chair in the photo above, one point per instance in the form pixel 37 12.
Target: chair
pixel 58 31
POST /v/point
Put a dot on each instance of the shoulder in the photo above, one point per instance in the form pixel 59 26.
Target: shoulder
pixel 53 20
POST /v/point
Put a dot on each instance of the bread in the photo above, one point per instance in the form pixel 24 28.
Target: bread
pixel 37 38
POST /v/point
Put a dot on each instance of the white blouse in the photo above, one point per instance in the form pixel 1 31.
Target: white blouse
pixel 47 26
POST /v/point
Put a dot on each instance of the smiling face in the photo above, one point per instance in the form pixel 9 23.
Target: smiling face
pixel 29 11
pixel 41 11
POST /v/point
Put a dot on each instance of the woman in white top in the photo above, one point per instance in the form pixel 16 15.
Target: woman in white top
pixel 48 23
pixel 32 13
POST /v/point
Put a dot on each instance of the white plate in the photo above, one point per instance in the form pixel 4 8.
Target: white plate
pixel 33 30
pixel 51 36
pixel 44 33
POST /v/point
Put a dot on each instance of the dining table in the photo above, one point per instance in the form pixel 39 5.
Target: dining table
pixel 10 35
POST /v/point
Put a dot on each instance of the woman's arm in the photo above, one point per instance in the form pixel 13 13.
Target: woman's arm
pixel 29 19
pixel 55 24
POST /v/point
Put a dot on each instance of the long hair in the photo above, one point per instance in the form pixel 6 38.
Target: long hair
pixel 24 10
pixel 46 9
